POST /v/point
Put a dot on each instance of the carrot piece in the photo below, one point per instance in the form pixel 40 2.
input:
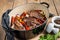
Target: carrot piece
pixel 23 15
pixel 12 20
pixel 26 26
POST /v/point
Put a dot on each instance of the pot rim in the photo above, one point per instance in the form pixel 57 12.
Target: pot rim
pixel 28 4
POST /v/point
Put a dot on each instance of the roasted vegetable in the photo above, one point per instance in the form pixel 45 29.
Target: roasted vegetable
pixel 22 15
pixel 12 20
pixel 26 26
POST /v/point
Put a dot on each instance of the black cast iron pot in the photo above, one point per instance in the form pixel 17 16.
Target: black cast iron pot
pixel 27 7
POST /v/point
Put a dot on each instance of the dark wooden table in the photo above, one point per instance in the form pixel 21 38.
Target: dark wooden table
pixel 11 4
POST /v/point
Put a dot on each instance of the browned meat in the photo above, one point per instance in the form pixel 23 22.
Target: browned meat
pixel 34 14
pixel 37 15
pixel 32 22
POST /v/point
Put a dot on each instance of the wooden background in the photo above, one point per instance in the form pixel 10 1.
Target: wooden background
pixel 54 8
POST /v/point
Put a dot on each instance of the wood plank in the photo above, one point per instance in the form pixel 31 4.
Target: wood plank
pixel 33 1
pixel 2 2
pixel 2 33
pixel 5 2
pixel 19 2
pixel 57 4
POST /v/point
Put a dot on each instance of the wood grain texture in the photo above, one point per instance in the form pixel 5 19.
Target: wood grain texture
pixel 33 1
pixel 19 2
pixel 57 4
pixel 2 33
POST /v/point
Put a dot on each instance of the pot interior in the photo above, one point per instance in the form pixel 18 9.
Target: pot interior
pixel 28 7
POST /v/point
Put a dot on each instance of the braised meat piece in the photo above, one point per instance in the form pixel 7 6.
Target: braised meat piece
pixel 37 14
pixel 31 21
pixel 34 14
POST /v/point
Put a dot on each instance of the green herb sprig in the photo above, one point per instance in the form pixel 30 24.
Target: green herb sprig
pixel 49 36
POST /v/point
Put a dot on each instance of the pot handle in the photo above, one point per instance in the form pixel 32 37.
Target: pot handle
pixel 45 4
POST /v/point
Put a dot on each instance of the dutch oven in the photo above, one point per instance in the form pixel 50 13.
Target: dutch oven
pixel 27 7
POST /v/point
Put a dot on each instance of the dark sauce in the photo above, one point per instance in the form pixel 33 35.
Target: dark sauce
pixel 57 21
